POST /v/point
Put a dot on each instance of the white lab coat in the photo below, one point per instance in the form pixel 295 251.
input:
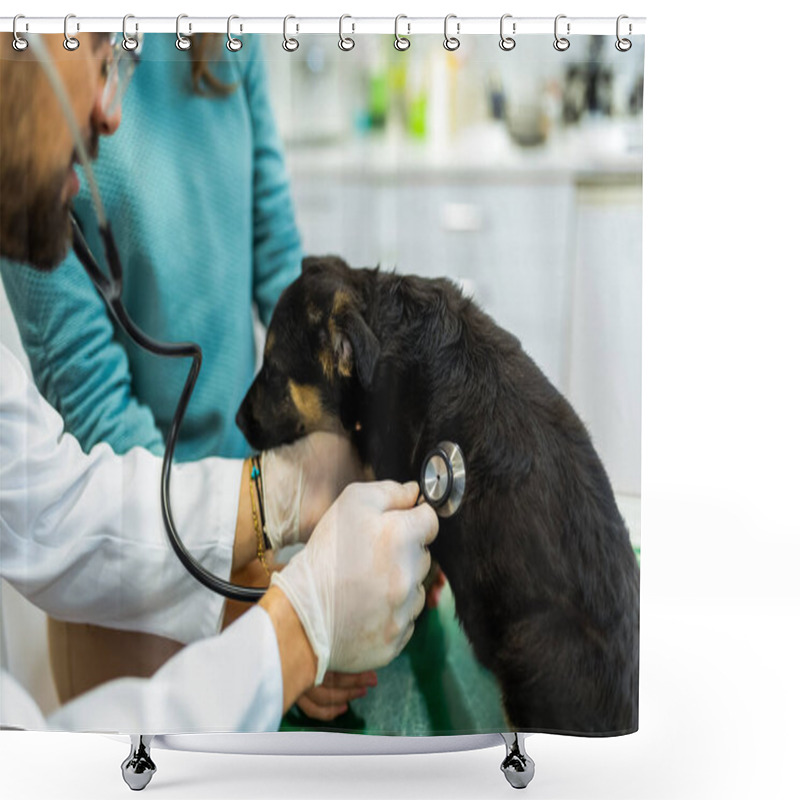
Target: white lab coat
pixel 81 536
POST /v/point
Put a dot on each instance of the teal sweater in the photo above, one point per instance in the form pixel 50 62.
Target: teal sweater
pixel 198 198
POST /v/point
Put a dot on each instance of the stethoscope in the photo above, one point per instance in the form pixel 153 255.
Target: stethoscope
pixel 443 478
pixel 443 474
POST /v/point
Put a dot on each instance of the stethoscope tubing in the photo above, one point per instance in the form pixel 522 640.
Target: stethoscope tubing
pixel 110 290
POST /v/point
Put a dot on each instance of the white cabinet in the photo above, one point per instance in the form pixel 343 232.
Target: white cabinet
pixel 605 374
pixel 508 244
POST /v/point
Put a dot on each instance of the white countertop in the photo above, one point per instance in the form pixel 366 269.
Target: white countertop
pixel 487 153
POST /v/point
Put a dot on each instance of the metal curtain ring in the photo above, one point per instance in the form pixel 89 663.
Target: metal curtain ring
pixel 507 42
pixel 18 43
pixel 561 43
pixel 623 45
pixel 346 43
pixel 233 44
pixel 181 41
pixel 451 43
pixel 289 44
pixel 70 42
pixel 401 42
pixel 130 43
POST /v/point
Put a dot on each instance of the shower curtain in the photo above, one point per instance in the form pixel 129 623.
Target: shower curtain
pixel 515 174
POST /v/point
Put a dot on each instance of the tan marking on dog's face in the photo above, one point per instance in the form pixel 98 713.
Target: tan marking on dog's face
pixel 326 360
pixel 268 347
pixel 307 401
pixel 343 366
pixel 341 301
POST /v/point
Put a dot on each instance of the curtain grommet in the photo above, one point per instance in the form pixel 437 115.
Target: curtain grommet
pixel 289 44
pixel 71 43
pixel 18 43
pixel 182 42
pixel 451 43
pixel 346 43
pixel 623 45
pixel 507 43
pixel 233 44
pixel 130 43
pixel 401 43
pixel 561 43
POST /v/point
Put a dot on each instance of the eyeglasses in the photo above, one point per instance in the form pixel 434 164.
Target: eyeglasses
pixel 118 71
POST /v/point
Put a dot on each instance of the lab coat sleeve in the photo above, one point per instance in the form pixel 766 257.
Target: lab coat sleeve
pixel 229 683
pixel 277 253
pixel 82 534
pixel 76 362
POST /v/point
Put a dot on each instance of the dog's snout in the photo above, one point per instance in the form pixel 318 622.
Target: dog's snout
pixel 244 416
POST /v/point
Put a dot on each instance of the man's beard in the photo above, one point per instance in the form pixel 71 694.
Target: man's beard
pixel 34 229
pixel 35 222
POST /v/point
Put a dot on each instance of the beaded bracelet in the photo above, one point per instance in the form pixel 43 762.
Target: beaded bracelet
pixel 262 542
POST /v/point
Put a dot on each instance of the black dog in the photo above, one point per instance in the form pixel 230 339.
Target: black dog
pixel 545 580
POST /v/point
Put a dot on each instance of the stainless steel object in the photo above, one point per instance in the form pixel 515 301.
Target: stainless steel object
pixel 289 44
pixel 19 44
pixel 507 42
pixel 233 44
pixel 561 43
pixel 401 43
pixel 517 766
pixel 70 42
pixel 130 43
pixel 346 43
pixel 451 43
pixel 182 42
pixel 623 45
pixel 138 768
pixel 443 478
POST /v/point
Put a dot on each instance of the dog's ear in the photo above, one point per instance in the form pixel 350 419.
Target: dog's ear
pixel 354 344
pixel 334 264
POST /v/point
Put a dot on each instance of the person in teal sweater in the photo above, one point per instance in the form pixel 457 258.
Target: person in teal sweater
pixel 197 192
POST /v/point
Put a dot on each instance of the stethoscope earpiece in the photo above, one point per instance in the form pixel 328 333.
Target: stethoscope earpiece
pixel 443 478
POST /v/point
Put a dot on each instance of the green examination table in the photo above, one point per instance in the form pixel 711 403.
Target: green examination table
pixel 435 686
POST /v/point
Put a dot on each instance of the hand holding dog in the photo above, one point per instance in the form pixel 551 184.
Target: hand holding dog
pixel 329 700
pixel 357 585
pixel 301 480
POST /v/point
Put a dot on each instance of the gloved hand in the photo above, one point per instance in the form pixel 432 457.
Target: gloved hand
pixel 357 585
pixel 300 481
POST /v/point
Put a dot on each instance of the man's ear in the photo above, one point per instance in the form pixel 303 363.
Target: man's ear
pixel 354 345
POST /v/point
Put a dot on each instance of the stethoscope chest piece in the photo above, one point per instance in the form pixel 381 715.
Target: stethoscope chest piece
pixel 443 478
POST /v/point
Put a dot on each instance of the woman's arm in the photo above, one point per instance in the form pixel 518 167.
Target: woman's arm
pixel 78 366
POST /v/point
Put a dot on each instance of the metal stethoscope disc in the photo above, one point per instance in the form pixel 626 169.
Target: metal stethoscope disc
pixel 443 478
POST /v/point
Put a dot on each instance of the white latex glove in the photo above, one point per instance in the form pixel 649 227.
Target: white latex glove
pixel 301 480
pixel 357 585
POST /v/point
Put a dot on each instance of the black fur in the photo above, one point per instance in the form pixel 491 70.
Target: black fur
pixel 545 580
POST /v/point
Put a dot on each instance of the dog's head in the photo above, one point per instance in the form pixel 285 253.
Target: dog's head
pixel 319 354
